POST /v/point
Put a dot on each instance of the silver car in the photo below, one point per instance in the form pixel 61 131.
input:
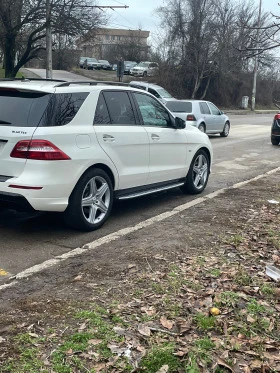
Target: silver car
pixel 154 89
pixel 202 114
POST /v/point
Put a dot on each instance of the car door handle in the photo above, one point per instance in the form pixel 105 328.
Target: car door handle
pixel 108 138
pixel 155 137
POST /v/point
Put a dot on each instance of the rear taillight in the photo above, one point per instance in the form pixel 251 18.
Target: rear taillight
pixel 42 150
pixel 277 116
pixel 191 117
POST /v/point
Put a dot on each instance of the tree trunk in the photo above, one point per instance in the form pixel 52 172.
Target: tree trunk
pixel 9 55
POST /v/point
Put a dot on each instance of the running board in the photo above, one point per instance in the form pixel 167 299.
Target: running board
pixel 150 191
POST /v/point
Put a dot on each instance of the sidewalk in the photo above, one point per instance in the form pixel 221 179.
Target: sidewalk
pixel 188 293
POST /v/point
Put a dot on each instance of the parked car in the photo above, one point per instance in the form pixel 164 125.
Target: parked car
pixel 202 114
pixel 81 61
pixel 114 67
pixel 91 63
pixel 129 145
pixel 105 65
pixel 154 89
pixel 144 69
pixel 128 65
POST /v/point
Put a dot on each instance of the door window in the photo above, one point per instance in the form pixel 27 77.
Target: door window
pixel 119 107
pixel 153 92
pixel 214 109
pixel 152 112
pixel 101 112
pixel 204 108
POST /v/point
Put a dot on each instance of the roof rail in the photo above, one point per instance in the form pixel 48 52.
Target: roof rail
pixel 23 79
pixel 91 82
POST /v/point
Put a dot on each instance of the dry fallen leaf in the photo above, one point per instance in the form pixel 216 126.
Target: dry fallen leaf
pixel 166 323
pixel 163 369
pixel 144 330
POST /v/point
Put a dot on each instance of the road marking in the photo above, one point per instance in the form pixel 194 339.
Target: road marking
pixel 123 232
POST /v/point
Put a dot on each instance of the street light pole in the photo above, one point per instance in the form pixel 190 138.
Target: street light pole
pixel 254 90
pixel 48 41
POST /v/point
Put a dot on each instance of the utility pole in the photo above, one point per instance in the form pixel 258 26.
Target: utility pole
pixel 48 41
pixel 49 73
pixel 254 90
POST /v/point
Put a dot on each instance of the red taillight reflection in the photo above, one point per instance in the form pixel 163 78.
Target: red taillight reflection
pixel 38 150
pixel 277 116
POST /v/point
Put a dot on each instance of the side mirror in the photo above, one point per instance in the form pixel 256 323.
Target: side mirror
pixel 180 123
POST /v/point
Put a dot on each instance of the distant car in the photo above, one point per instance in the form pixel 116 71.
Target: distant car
pixel 144 69
pixel 105 65
pixel 128 65
pixel 114 67
pixel 91 63
pixel 81 61
pixel 202 114
pixel 275 130
pixel 154 89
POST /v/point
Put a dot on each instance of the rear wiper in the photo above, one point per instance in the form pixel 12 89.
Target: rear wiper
pixel 4 122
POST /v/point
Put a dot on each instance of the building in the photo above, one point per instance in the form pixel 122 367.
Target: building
pixel 106 43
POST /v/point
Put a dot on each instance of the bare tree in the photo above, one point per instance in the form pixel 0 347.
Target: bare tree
pixel 24 27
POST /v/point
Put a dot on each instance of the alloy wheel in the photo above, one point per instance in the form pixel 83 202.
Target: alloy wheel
pixel 96 200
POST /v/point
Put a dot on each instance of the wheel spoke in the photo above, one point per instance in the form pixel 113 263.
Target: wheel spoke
pixel 87 201
pixel 102 190
pixel 197 180
pixel 102 207
pixel 93 187
pixel 92 214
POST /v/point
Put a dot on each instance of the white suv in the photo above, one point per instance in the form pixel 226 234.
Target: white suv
pixel 72 147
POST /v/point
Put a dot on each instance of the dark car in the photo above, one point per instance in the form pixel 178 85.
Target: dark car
pixel 105 65
pixel 275 130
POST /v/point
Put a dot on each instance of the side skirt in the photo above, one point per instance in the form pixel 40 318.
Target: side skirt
pixel 148 189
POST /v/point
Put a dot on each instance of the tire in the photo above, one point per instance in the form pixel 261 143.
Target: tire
pixel 275 141
pixel 225 132
pixel 197 177
pixel 201 127
pixel 90 202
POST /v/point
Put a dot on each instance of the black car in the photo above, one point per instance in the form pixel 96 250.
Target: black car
pixel 275 130
pixel 105 65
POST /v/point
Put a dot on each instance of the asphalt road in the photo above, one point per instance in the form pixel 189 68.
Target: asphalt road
pixel 27 240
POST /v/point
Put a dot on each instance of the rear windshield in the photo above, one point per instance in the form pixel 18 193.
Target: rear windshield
pixel 179 107
pixel 32 109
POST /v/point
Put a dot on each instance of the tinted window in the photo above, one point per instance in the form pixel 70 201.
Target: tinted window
pixel 22 109
pixel 179 106
pixel 204 108
pixel 153 113
pixel 119 107
pixel 62 108
pixel 101 112
pixel 153 92
pixel 214 109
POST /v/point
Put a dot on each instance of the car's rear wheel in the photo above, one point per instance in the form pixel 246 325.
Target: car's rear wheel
pixel 91 201
pixel 197 177
pixel 201 127
pixel 275 141
pixel 225 132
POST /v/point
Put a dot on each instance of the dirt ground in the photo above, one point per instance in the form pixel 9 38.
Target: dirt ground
pixel 187 294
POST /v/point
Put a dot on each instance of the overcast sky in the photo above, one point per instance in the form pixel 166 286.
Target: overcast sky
pixel 141 13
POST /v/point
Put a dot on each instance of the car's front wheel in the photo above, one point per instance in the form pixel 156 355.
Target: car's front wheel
pixel 197 177
pixel 225 132
pixel 91 201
